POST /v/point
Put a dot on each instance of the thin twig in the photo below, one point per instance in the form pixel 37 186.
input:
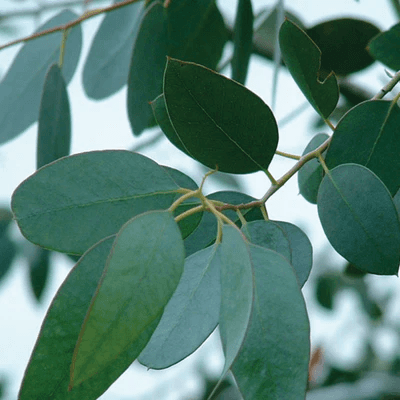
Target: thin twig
pixel 287 155
pixel 386 89
pixel 88 15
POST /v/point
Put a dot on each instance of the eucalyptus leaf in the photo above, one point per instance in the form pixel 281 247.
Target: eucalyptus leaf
pixel 360 219
pixel 89 196
pixel 39 271
pixel 242 40
pixel 21 87
pixel 385 47
pixel 219 122
pixel 107 64
pixel 302 58
pixel 141 274
pixel 191 314
pixel 311 174
pixel 368 135
pixel 59 333
pixel 54 129
pixel 273 361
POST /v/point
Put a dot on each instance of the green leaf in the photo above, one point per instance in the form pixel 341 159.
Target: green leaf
pixel 74 202
pixel 140 276
pixel 326 288
pixel 385 47
pixel 237 288
pixel 269 235
pixel 396 200
pixel 219 122
pixel 107 64
pixel 273 361
pixel 8 251
pixel 39 271
pixel 54 129
pixel 301 250
pixel 204 235
pixel 191 314
pixel 368 135
pixel 58 335
pixel 242 40
pixel 343 43
pixel 311 173
pixel 359 219
pixel 21 88
pixel 190 30
pixel 302 57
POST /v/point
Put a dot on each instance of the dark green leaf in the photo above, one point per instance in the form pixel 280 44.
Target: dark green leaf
pixel 302 57
pixel 189 30
pixel 20 89
pixel 396 200
pixel 219 122
pixel 360 219
pixel 39 271
pixel 301 250
pixel 326 289
pixel 368 135
pixel 242 40
pixel 140 276
pixel 6 218
pixel 107 64
pixel 54 129
pixel 72 203
pixel 191 314
pixel 48 371
pixel 269 235
pixel 237 289
pixel 343 44
pixel 8 251
pixel 311 174
pixel 273 361
pixel 385 47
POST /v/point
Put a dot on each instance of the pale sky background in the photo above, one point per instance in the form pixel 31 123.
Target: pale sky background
pixel 104 125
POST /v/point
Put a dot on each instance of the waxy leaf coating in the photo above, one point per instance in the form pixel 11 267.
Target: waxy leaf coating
pixel 191 314
pixel 54 129
pixel 273 361
pixel 141 274
pixel 219 122
pixel 74 202
pixel 303 59
pixel 369 135
pixel 360 219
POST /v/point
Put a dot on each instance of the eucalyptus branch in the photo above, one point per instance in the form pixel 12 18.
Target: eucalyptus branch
pixel 189 194
pixel 87 15
pixel 387 88
pixel 287 155
pixel 189 212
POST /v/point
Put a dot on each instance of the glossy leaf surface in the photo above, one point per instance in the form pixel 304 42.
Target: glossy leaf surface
pixel 310 175
pixel 343 43
pixel 59 333
pixel 273 361
pixel 385 47
pixel 368 135
pixel 107 64
pixel 89 196
pixel 190 30
pixel 360 219
pixel 236 293
pixel 54 129
pixel 301 250
pixel 219 122
pixel 302 58
pixel 141 274
pixel 191 314
pixel 242 40
pixel 21 87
